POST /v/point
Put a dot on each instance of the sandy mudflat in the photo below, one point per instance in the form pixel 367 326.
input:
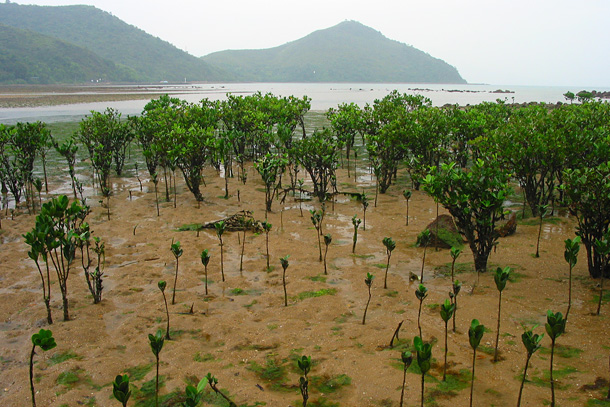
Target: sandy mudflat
pixel 243 322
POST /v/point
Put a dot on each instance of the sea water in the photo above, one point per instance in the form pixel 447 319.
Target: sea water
pixel 323 96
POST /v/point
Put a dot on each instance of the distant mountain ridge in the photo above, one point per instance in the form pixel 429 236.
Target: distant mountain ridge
pixel 347 52
pixel 149 58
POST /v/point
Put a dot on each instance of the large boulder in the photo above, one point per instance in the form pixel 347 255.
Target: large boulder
pixel 448 234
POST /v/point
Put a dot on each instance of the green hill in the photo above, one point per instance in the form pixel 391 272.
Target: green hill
pixel 347 52
pixel 29 57
pixel 150 58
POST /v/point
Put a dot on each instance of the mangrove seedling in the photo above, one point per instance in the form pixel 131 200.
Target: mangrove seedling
pixel 194 394
pixel 555 326
pixel 156 344
pixel 475 334
pixel 365 205
pixel 45 341
pixel 177 252
pixel 162 284
pixel 316 219
pixel 213 382
pixel 35 240
pixel 120 389
pixel 447 309
pixel 220 229
pixel 356 222
pixel 423 239
pixel 284 262
pixel 531 341
pixel 327 240
pixel 407 359
pixel 267 228
pixel 421 293
pixel 501 277
pixel 407 194
pixel 205 260
pixel 571 256
pixel 390 245
pixel 457 286
pixel 304 365
pixel 424 360
pixel 455 253
pixel 369 283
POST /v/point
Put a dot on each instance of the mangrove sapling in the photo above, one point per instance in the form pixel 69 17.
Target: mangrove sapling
pixel 38 249
pixel 301 181
pixel 424 360
pixel 531 341
pixel 316 219
pixel 220 229
pixel 162 284
pixel 194 394
pixel 542 211
pixel 96 286
pixel 205 260
pixel 571 256
pixel 365 205
pixel 213 382
pixel 177 252
pixel 407 194
pixel 369 282
pixel 120 389
pixel 407 359
pixel 421 293
pixel 327 241
pixel 457 286
pixel 267 228
pixel 45 341
pixel 155 180
pixel 447 309
pixel 138 176
pixel 423 239
pixel 285 264
pixel 455 253
pixel 390 245
pixel 555 326
pixel 475 334
pixel 156 344
pixel 304 365
pixel 38 185
pixel 602 248
pixel 356 222
pixel 501 277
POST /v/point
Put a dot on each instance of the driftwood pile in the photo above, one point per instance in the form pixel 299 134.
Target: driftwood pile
pixel 237 222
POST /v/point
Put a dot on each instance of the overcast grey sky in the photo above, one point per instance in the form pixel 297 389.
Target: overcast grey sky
pixel 503 42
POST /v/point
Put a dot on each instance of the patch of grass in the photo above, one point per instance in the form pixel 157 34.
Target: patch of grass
pixel 138 372
pixel 273 373
pixel 319 278
pixel 363 256
pixel 605 297
pixel 190 227
pixel 61 357
pixel 311 294
pixel 565 352
pixel 490 350
pixel 545 379
pixel 391 294
pixel 598 402
pixel 69 378
pixel 516 276
pixel 460 268
pixel 450 387
pixel 206 357
pixel 329 384
pixel 238 291
pixel 272 327
pixel 380 265
pixel 251 304
pixel 343 318
pixel 320 402
pixel 433 306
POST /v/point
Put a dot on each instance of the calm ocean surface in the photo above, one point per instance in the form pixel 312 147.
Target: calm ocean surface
pixel 323 95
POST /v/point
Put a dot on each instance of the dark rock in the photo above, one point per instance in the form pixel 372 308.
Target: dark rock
pixel 507 227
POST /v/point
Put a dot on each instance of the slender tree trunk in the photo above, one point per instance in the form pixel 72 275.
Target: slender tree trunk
pixel 404 380
pixel 538 241
pixel 267 246
pixel 551 373
pixel 445 368
pixel 222 270
pixel 367 307
pixel 243 247
pixel 325 254
pixel 167 312
pixel 320 245
pixel 569 294
pixel 387 267
pixel 285 293
pixel 418 319
pixel 32 375
pixel 601 291
pixel 495 359
pixel 454 312
pixel 206 280
pixel 423 262
pixel 175 280
pixel 157 198
pixel 422 389
pixel 527 362
pixel 474 358
pixel 157 384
